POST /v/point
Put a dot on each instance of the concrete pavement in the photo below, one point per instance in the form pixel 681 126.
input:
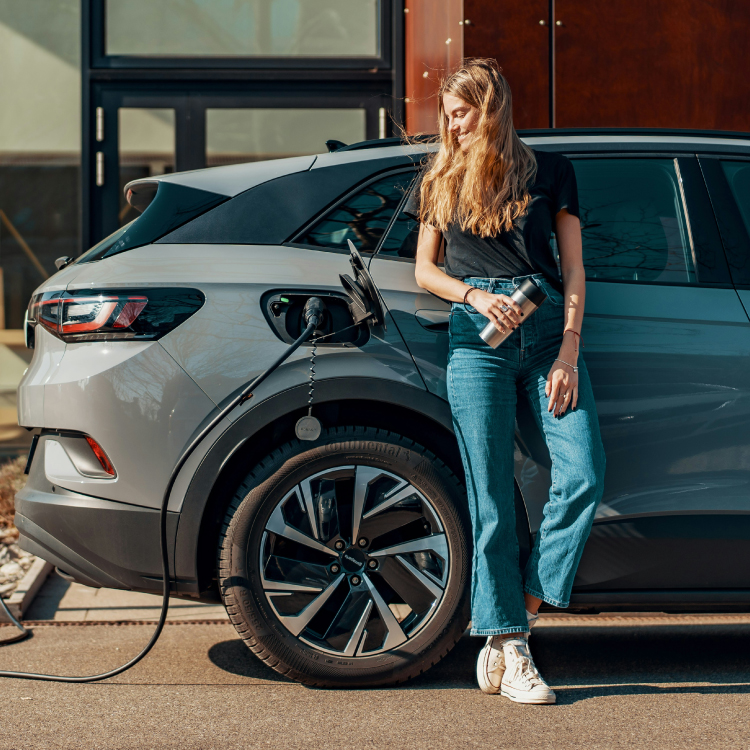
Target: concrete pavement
pixel 636 683
pixel 62 601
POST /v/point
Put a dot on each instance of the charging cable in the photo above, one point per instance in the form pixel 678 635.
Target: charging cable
pixel 313 317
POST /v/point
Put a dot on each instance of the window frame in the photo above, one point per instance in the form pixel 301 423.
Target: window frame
pixel 294 242
pixel 100 59
pixel 734 233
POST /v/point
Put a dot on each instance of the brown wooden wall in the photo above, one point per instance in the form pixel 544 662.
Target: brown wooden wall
pixel 619 63
pixel 429 25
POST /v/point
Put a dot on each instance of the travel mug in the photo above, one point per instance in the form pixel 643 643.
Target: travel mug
pixel 528 296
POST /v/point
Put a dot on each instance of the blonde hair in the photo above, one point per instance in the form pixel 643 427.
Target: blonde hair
pixel 485 189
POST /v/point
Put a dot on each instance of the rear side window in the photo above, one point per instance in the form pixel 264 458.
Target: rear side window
pixel 173 206
pixel 362 217
pixel 633 221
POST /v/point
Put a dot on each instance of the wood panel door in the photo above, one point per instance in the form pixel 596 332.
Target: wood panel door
pixel 639 63
pixel 517 36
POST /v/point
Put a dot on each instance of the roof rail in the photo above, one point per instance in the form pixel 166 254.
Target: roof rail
pixel 552 132
pixel 682 132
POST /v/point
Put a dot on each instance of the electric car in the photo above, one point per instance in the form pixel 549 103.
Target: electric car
pixel 345 559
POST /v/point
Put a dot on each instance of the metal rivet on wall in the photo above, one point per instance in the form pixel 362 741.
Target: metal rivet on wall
pixel 542 22
pixel 558 23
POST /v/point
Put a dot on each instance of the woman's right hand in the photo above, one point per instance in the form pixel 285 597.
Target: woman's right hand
pixel 490 305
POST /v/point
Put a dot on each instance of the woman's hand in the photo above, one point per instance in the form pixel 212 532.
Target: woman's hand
pixel 491 306
pixel 561 388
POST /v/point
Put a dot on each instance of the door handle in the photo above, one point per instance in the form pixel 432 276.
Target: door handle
pixel 434 320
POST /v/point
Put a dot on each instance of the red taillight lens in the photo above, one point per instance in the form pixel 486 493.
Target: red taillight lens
pixel 101 456
pixel 114 315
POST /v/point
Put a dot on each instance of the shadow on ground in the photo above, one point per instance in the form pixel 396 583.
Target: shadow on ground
pixel 584 662
pixel 236 658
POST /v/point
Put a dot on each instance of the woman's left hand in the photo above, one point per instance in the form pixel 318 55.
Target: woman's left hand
pixel 561 388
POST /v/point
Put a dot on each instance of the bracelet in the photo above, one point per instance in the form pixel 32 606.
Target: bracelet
pixel 575 369
pixel 576 333
pixel 466 294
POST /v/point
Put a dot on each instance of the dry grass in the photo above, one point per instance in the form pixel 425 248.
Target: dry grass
pixel 12 479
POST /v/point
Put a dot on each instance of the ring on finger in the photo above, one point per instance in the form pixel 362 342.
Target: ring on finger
pixel 504 308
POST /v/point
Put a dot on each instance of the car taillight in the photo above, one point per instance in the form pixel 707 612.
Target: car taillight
pixel 113 314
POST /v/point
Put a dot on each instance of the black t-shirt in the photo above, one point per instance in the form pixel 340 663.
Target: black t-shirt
pixel 525 249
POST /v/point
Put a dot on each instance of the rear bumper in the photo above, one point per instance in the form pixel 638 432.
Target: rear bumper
pixel 98 542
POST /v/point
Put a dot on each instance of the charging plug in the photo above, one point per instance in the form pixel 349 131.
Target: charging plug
pixel 313 312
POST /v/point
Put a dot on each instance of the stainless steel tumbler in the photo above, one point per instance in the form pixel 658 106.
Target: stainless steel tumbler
pixel 529 297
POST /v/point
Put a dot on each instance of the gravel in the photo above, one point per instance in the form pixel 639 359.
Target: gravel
pixel 14 562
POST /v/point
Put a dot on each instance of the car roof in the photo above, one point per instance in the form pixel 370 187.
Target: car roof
pixel 233 179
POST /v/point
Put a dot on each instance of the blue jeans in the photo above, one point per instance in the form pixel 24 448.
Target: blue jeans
pixel 482 389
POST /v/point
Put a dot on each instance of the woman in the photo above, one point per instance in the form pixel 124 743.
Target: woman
pixel 495 201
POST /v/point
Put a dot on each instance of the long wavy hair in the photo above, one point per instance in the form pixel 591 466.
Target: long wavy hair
pixel 485 189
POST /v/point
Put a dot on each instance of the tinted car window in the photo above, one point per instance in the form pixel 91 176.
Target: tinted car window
pixel 738 177
pixel 401 241
pixel 362 217
pixel 632 221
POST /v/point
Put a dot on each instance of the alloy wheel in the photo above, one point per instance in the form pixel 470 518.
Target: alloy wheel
pixel 354 561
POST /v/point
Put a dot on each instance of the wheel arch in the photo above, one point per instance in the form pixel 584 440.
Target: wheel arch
pixel 407 410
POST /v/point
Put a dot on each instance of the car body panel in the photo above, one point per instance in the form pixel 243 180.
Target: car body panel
pixel 131 397
pixel 232 179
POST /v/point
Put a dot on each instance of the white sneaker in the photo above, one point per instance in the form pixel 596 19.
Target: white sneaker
pixel 491 665
pixel 521 682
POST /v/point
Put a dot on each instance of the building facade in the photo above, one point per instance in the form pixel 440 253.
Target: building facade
pixel 95 93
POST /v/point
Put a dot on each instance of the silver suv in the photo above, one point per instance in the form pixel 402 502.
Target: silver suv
pixel 345 560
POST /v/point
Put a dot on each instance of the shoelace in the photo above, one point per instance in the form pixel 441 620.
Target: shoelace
pixel 526 671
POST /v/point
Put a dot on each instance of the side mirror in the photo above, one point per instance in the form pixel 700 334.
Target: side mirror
pixel 364 299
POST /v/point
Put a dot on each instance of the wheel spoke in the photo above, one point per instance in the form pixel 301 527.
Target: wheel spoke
pixel 396 495
pixel 410 588
pixel 306 491
pixel 395 636
pixel 278 525
pixel 428 583
pixel 285 574
pixel 352 647
pixel 362 478
pixel 436 543
pixel 295 624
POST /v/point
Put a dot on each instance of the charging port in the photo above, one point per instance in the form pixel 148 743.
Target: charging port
pixel 284 312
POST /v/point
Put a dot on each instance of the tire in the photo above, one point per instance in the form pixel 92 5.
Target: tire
pixel 374 613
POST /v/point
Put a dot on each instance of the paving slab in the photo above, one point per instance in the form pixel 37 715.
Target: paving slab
pixel 62 601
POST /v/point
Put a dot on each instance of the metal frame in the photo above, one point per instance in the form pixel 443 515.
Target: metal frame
pixel 276 82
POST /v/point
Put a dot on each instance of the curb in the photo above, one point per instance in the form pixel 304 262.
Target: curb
pixel 27 589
